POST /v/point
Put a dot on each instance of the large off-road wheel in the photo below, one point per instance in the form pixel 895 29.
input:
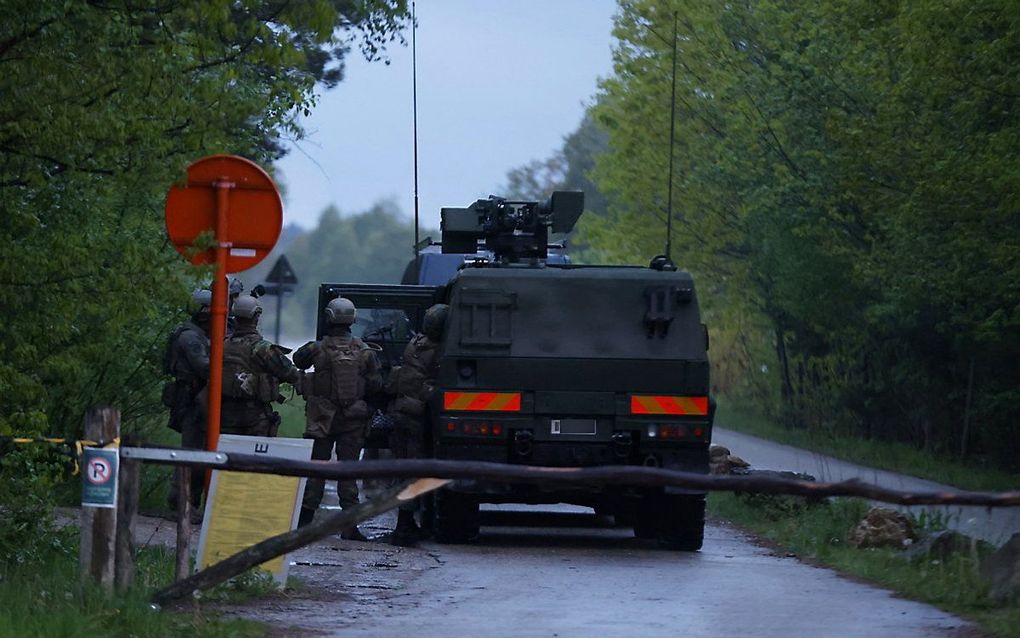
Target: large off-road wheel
pixel 680 522
pixel 455 517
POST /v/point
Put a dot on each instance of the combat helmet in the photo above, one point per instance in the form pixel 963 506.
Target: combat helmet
pixel 341 311
pixel 201 301
pixel 435 319
pixel 247 308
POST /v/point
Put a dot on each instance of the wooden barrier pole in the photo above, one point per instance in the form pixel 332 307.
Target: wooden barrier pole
pixel 632 475
pixel 127 509
pixel 99 525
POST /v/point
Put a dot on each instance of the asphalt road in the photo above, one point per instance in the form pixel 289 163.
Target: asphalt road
pixel 557 571
pixel 993 525
pixel 568 577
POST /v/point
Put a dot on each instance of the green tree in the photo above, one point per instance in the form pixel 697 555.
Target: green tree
pixel 103 106
pixel 846 196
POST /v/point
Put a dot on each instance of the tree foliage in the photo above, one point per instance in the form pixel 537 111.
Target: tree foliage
pixel 104 103
pixel 847 193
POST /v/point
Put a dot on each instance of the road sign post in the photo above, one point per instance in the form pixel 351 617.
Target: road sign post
pixel 238 202
pixel 283 277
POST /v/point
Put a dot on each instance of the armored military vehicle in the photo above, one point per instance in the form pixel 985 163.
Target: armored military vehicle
pixel 559 365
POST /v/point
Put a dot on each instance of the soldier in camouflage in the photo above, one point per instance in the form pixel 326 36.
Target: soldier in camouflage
pixel 187 360
pixel 413 384
pixel 336 413
pixel 253 369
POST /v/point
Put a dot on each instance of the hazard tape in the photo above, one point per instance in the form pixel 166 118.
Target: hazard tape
pixel 78 445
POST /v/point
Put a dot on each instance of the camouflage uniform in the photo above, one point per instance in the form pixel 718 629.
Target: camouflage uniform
pixel 252 371
pixel 342 362
pixel 187 360
pixel 413 384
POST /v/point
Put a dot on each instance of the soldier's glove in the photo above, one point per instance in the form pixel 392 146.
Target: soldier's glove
pixel 247 380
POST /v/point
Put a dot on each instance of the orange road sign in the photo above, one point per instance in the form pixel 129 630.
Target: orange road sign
pixel 253 219
pixel 235 206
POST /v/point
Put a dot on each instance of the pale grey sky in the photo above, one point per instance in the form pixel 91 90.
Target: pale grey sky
pixel 500 83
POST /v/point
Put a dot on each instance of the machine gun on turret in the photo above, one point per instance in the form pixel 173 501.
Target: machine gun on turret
pixel 510 230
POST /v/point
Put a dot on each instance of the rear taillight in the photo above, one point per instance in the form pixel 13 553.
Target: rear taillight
pixel 475 428
pixel 675 432
pixel 658 404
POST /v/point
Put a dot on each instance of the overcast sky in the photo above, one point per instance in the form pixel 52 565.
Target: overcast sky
pixel 500 83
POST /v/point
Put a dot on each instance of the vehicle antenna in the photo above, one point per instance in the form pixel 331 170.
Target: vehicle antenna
pixel 672 133
pixel 414 109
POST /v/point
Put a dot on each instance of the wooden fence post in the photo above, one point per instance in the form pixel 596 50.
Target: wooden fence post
pixel 99 525
pixel 183 478
pixel 127 509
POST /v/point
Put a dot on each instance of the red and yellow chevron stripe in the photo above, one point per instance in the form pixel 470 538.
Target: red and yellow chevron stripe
pixel 649 404
pixel 482 401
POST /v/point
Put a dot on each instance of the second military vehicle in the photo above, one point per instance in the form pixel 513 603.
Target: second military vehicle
pixel 558 365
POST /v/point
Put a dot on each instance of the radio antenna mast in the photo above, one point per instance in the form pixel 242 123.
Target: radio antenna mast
pixel 414 108
pixel 672 132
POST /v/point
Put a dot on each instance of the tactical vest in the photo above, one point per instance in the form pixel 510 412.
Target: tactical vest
pixel 172 355
pixel 416 366
pixel 239 358
pixel 338 370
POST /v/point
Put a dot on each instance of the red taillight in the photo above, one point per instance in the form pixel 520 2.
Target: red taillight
pixel 480 428
pixel 482 401
pixel 672 432
pixel 656 404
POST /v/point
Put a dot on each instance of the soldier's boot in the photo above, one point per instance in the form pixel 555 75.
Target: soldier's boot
pixel 307 514
pixel 353 534
pixel 406 533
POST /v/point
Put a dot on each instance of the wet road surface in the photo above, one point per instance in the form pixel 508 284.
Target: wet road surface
pixel 576 576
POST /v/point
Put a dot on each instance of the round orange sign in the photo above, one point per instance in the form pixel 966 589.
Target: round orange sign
pixel 252 219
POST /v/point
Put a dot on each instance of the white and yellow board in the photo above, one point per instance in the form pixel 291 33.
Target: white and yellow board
pixel 243 508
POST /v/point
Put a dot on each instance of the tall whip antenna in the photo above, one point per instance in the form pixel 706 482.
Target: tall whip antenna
pixel 414 107
pixel 672 132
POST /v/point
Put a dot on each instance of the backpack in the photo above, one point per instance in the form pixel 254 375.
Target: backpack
pixel 343 358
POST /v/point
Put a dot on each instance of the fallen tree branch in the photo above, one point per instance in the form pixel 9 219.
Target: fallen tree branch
pixel 295 539
pixel 632 475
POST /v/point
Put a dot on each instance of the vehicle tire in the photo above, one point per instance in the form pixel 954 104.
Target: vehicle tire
pixel 455 517
pixel 681 522
pixel 645 526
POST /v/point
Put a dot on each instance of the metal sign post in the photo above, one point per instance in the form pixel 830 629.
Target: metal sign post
pixel 238 202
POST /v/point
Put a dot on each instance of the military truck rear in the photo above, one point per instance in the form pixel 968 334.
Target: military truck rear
pixel 561 365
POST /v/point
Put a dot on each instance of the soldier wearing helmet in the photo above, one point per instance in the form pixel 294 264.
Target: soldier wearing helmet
pixel 187 361
pixel 234 289
pixel 413 383
pixel 253 369
pixel 336 413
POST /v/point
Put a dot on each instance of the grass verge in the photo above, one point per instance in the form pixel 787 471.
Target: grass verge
pixel 45 598
pixel 895 457
pixel 817 533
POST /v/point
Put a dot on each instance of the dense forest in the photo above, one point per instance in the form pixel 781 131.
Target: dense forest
pixel 847 192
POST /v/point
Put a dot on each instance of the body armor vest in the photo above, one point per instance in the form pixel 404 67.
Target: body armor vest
pixel 338 370
pixel 239 359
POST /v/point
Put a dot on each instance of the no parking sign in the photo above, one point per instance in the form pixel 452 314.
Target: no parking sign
pixel 99 477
